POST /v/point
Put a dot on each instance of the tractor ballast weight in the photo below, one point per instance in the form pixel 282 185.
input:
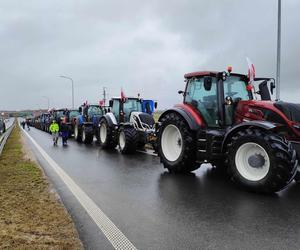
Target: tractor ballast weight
pixel 126 125
pixel 220 122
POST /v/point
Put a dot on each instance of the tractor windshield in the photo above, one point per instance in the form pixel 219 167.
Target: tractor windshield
pixel 94 110
pixel 132 105
pixel 59 114
pixel 235 87
pixel 74 113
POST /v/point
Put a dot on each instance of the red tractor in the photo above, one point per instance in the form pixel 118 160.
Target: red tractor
pixel 221 122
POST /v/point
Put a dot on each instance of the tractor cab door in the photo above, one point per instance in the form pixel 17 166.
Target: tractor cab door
pixel 204 98
pixel 234 91
pixel 115 109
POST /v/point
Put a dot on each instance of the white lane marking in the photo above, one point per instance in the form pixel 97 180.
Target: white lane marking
pixel 109 229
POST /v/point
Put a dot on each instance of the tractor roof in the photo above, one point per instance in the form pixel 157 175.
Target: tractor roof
pixel 129 97
pixel 200 73
pixel 205 73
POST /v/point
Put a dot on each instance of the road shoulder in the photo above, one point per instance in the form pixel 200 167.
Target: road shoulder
pixel 31 213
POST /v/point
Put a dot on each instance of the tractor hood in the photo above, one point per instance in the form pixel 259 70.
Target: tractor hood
pixel 290 110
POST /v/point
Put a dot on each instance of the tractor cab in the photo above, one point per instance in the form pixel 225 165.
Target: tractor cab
pixel 91 112
pixel 122 108
pixel 215 95
pixel 72 115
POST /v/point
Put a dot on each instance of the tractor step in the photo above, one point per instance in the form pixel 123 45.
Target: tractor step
pixel 209 144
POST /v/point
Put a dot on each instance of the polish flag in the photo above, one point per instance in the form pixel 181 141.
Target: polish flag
pixel 101 103
pixel 123 97
pixel 251 70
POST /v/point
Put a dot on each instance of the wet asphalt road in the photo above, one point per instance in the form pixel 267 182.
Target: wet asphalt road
pixel 157 210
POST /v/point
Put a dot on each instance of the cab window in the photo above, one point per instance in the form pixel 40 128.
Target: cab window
pixel 131 105
pixel 235 88
pixel 205 101
pixel 116 109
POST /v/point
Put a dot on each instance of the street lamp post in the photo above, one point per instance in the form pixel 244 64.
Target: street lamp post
pixel 69 78
pixel 278 51
pixel 48 101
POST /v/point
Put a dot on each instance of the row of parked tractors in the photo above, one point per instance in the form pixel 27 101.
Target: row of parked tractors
pixel 226 119
pixel 127 122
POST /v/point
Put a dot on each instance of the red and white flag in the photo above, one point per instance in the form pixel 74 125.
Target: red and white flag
pixel 251 70
pixel 101 103
pixel 123 97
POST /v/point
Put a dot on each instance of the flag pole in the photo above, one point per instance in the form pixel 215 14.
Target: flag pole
pixel 278 51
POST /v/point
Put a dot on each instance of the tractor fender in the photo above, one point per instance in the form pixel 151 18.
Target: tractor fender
pixel 126 125
pixel 111 119
pixel 265 125
pixel 193 125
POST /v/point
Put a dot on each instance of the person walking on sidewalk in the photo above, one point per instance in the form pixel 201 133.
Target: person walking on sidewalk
pixel 54 129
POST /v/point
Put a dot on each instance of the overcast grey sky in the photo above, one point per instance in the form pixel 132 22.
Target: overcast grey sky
pixel 143 46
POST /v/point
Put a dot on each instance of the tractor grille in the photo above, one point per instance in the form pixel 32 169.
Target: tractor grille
pixel 146 118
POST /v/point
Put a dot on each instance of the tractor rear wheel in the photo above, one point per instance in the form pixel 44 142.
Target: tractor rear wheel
pixel 176 144
pixel 128 140
pixel 261 161
pixel 106 139
pixel 87 137
pixel 77 134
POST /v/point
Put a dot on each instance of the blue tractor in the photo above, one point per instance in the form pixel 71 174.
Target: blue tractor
pixel 86 123
pixel 149 106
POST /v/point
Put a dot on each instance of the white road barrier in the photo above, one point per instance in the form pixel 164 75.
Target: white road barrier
pixel 4 136
pixel 109 229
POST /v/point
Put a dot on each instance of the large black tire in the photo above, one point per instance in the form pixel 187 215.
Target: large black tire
pixel 186 161
pixel 106 138
pixel 77 133
pixel 128 140
pixel 297 176
pixel 87 136
pixel 279 156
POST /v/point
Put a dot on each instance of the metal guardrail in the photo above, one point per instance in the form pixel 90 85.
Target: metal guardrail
pixel 5 136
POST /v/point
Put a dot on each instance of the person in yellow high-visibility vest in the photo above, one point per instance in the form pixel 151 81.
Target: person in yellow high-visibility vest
pixel 54 129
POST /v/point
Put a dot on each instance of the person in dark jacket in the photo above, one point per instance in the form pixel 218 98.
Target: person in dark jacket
pixel 64 131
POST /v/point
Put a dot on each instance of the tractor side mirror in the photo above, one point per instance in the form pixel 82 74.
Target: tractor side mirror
pixel 272 87
pixel 207 83
pixel 264 91
pixel 155 105
pixel 111 103
pixel 180 92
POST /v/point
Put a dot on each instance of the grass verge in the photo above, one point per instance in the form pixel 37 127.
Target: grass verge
pixel 31 217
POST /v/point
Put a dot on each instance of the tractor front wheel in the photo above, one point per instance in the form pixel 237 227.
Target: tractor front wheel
pixel 261 161
pixel 176 144
pixel 128 140
pixel 106 139
pixel 87 137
